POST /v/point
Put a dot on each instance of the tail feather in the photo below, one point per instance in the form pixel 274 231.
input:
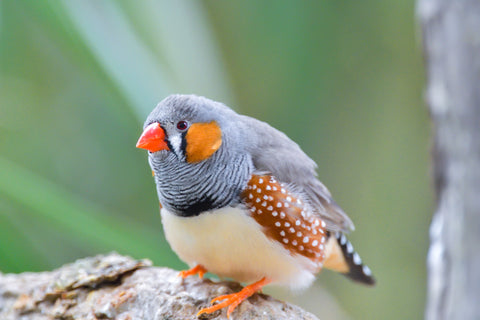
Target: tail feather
pixel 341 257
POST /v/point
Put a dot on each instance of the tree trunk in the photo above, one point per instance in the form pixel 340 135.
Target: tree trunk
pixel 118 287
pixel 451 40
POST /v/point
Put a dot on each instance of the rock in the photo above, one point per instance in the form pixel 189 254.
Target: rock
pixel 118 287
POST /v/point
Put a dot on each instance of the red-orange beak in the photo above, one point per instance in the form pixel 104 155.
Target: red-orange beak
pixel 152 138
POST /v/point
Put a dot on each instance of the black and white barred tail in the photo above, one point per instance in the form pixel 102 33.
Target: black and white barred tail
pixel 341 257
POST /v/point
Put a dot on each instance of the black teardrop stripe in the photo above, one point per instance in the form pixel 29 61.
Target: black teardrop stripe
pixel 183 145
pixel 357 270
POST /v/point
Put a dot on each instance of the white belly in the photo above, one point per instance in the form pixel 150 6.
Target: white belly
pixel 229 243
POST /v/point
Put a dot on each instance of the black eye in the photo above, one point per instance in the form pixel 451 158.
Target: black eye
pixel 182 125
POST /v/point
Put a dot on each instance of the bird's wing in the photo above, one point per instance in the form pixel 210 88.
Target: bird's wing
pixel 272 151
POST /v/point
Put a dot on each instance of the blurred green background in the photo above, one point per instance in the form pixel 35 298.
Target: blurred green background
pixel 342 78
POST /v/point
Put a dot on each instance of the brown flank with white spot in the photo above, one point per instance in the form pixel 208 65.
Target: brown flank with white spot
pixel 285 218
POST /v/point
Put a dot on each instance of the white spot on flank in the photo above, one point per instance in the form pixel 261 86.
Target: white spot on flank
pixel 268 187
pixel 250 196
pixel 279 204
pixel 260 180
pixel 265 197
pixel 314 242
pixel 282 215
pixel 287 224
pixel 305 239
pixel 274 188
pixel 259 190
pixel 291 230
pixel 282 233
pixel 259 211
pixel 299 234
pixel 322 240
pixel 252 209
pixel 321 247
pixel 314 231
pixel 285 240
pixel 283 190
pixel 323 224
pixel 297 223
pixel 275 213
pixel 289 199
pixel 294 242
pixel 264 203
pixel 254 186
pixel 277 224
pixel 286 205
pixel 270 208
pixel 258 200
pixel 301 248
pixel 317 223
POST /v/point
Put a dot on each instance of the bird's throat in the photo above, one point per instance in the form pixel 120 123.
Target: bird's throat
pixel 189 189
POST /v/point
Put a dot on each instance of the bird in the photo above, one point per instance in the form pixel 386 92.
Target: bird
pixel 241 200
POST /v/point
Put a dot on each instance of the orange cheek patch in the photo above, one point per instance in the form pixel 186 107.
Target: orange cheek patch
pixel 203 139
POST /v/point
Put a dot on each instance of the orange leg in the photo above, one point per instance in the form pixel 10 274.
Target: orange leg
pixel 234 299
pixel 197 269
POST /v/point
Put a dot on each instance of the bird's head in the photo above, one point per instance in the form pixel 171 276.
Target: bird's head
pixel 196 151
pixel 185 126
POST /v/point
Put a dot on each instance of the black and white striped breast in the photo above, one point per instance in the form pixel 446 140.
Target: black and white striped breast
pixel 189 189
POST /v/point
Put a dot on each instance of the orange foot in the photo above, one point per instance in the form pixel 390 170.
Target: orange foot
pixel 197 269
pixel 234 299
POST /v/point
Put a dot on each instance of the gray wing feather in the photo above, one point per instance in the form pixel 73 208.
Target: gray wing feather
pixel 272 151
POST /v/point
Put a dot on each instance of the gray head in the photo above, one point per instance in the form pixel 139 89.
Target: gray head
pixel 196 152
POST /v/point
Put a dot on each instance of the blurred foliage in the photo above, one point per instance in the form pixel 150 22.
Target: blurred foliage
pixel 342 78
